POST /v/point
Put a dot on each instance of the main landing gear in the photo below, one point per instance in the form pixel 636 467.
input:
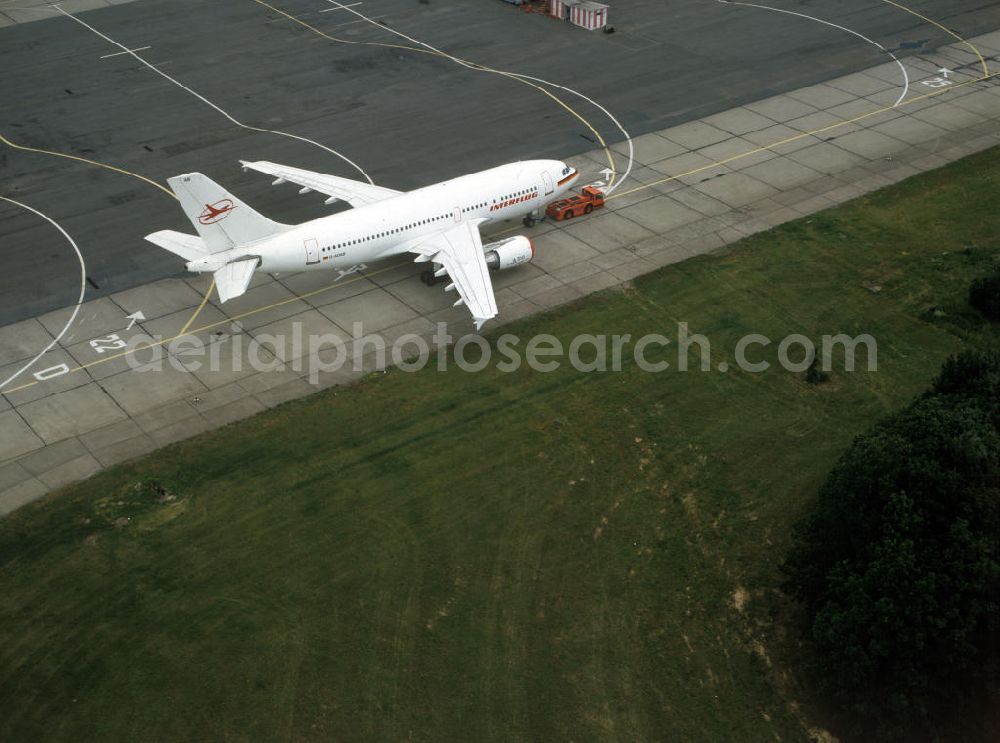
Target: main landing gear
pixel 428 277
pixel 529 220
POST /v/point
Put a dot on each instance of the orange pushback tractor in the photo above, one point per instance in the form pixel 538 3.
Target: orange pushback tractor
pixel 590 198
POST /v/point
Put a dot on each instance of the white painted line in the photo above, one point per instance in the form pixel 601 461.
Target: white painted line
pixel 129 51
pixel 463 63
pixel 79 301
pixel 906 77
pixel 344 7
pixel 203 99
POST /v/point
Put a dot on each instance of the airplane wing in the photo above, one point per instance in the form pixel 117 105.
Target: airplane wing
pixel 460 251
pixel 336 188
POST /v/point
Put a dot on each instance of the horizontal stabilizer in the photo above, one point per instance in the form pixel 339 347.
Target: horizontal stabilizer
pixel 233 278
pixel 188 247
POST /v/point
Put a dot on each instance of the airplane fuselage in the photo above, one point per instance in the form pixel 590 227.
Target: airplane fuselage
pixel 377 231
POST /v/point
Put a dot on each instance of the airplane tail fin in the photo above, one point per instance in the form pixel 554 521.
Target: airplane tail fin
pixel 221 219
pixel 231 279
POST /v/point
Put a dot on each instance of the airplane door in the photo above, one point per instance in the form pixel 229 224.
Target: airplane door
pixel 458 214
pixel 312 251
pixel 547 179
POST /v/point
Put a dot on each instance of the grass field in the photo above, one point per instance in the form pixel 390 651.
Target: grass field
pixel 451 556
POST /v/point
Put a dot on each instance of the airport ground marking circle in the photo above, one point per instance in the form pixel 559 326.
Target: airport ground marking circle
pixel 906 77
pixel 79 301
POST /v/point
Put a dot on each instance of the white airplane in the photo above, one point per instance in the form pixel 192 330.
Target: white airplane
pixel 439 224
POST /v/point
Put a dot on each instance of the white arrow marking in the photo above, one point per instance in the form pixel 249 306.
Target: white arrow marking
pixel 134 318
pixel 946 72
pixel 352 270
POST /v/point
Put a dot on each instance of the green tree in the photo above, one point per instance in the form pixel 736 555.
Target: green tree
pixel 898 567
pixel 972 376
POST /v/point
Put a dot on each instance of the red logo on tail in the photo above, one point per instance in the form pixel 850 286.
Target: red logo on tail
pixel 216 212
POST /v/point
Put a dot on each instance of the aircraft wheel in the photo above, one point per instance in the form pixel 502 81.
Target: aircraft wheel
pixel 529 221
pixel 428 277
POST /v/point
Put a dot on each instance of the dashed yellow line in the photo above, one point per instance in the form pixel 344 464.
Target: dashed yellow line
pixel 973 47
pixel 465 62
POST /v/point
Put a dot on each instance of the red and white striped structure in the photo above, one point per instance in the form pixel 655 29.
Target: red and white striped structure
pixel 588 15
pixel 561 8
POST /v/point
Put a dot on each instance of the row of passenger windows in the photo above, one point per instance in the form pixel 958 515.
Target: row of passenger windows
pixel 379 235
pixel 515 195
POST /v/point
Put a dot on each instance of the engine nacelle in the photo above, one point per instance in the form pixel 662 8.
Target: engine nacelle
pixel 509 253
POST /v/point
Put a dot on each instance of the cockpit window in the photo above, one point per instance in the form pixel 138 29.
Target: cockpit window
pixel 566 170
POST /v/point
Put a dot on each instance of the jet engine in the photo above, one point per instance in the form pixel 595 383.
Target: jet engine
pixel 509 253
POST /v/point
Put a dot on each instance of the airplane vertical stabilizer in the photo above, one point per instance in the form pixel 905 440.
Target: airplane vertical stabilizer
pixel 221 219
